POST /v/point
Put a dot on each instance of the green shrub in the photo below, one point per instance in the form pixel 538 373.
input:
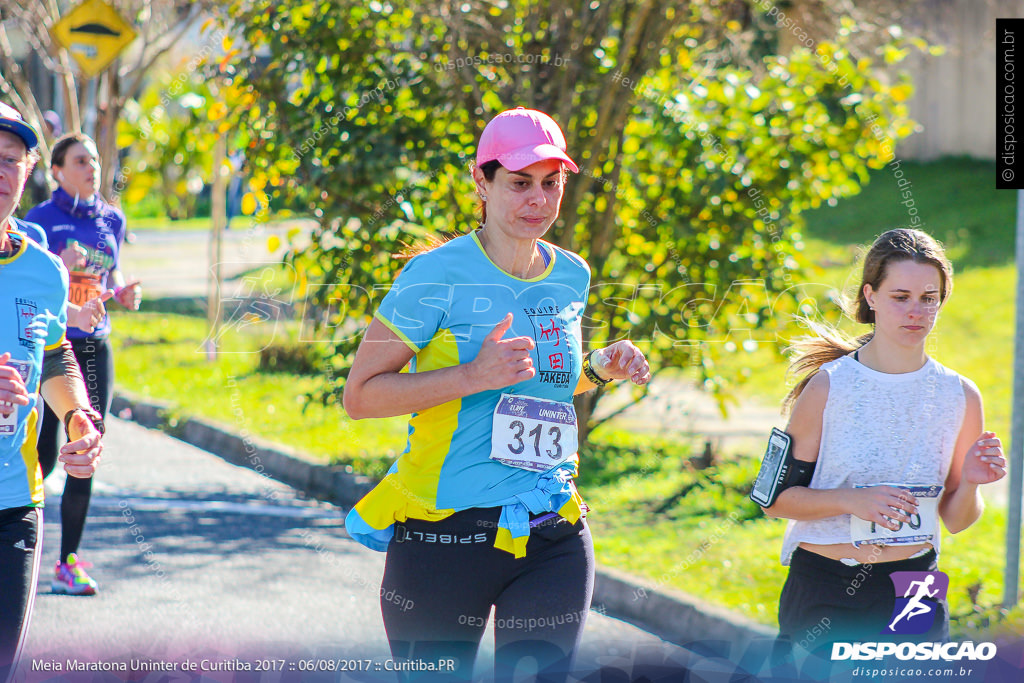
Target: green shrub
pixel 295 358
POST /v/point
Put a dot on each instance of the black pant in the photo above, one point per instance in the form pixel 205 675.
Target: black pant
pixel 442 578
pixel 20 530
pixel 97 364
pixel 824 601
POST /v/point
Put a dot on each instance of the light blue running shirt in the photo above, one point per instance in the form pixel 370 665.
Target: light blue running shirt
pixel 33 317
pixel 442 305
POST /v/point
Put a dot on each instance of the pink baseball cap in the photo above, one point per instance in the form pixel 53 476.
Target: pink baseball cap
pixel 520 137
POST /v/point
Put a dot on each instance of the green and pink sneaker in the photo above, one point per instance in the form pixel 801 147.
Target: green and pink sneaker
pixel 71 578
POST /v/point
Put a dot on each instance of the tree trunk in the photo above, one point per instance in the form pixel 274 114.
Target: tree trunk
pixel 106 133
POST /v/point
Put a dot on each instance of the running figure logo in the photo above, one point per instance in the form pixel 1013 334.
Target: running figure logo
pixel 917 598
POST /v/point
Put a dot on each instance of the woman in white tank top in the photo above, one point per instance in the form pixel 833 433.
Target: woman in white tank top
pixel 899 445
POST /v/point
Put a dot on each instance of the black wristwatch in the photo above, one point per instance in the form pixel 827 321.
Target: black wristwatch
pixel 590 374
pixel 93 416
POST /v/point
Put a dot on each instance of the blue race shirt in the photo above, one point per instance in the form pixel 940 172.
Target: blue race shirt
pixel 32 230
pixel 442 305
pixel 33 316
pixel 99 229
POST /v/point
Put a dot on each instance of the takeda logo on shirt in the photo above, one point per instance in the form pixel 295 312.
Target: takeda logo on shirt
pixel 554 354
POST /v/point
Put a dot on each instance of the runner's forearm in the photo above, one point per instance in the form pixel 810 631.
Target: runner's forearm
pixel 805 504
pixel 393 393
pixel 61 362
pixel 962 508
pixel 64 393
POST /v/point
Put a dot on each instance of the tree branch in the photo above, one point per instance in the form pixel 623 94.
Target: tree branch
pixel 618 411
pixel 603 237
pixel 145 64
pixel 22 90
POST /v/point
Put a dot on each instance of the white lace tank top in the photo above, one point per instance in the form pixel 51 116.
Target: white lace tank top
pixel 879 427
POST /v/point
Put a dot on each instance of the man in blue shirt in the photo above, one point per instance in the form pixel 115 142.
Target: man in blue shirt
pixel 35 359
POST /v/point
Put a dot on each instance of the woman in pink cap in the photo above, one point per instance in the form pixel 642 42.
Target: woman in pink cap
pixel 481 511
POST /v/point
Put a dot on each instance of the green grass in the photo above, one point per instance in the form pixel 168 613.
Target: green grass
pixel 157 354
pixel 715 558
pixel 698 530
pixel 956 200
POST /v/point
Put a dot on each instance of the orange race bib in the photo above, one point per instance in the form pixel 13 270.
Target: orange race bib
pixel 84 287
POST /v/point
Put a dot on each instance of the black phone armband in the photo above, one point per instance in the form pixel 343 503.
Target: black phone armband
pixel 779 470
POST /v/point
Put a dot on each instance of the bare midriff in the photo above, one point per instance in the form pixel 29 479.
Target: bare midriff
pixel 865 554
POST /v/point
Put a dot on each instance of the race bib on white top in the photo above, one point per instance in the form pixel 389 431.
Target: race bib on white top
pixel 533 433
pixel 922 527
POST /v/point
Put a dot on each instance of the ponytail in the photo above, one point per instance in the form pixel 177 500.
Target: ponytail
pixel 428 243
pixel 828 345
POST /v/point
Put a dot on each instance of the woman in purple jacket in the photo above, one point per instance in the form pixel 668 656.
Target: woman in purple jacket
pixel 87 234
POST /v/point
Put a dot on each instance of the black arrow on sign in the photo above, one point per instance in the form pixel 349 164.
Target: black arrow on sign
pixel 96 29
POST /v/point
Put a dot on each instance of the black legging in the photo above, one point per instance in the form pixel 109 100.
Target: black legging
pixel 97 364
pixel 20 529
pixel 441 579
pixel 824 601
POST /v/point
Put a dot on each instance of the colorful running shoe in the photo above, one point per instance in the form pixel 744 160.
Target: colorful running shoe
pixel 71 578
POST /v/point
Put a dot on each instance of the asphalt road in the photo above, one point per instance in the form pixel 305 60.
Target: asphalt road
pixel 199 559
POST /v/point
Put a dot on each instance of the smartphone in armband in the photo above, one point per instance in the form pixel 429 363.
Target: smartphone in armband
pixel 778 461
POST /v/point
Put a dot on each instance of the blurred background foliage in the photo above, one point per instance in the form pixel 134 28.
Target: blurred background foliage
pixel 699 148
pixel 168 147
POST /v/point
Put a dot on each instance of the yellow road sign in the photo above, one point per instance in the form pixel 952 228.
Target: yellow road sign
pixel 94 33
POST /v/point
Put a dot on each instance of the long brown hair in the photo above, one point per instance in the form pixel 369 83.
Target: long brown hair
pixel 900 244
